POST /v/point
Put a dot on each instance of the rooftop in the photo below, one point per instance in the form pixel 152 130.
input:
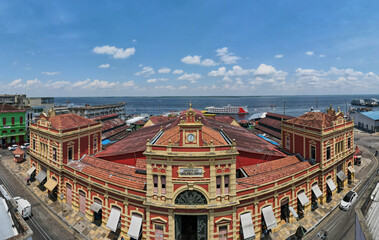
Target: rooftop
pixel 316 119
pixel 110 172
pixel 271 171
pixel 67 121
pixel 373 115
pixel 8 108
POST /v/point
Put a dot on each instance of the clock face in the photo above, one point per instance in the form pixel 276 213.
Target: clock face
pixel 191 137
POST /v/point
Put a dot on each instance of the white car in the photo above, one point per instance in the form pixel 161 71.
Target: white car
pixel 348 200
pixel 25 146
pixel 13 147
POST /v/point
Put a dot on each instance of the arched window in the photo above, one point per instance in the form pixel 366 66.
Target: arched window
pixel 191 197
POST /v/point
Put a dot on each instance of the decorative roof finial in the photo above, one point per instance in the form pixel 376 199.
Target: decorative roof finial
pixel 190 104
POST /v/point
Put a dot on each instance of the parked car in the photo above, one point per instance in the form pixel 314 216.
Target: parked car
pixel 23 207
pixel 25 146
pixel 348 200
pixel 13 147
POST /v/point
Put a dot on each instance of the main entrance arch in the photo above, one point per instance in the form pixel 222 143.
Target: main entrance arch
pixel 191 197
pixel 188 227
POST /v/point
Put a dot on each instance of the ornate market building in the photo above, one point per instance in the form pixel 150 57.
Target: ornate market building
pixel 193 177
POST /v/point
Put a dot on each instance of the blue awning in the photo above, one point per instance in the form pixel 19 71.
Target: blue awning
pixel 268 140
pixel 106 141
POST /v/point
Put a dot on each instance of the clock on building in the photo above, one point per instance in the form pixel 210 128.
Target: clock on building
pixel 190 137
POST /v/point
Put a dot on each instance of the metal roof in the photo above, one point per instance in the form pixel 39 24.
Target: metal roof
pixel 6 230
pixel 373 115
pixel 372 215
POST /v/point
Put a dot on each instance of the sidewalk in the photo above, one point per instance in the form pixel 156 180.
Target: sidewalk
pixel 74 219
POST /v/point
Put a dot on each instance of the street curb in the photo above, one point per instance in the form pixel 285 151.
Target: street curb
pixel 47 206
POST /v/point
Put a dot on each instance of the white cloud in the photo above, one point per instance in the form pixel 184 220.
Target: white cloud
pixel 182 87
pixel 104 65
pixel 264 69
pixel 226 56
pixel 309 53
pixel 177 71
pixel 15 83
pixel 208 62
pixel 279 56
pixel 146 71
pixel 81 84
pixel 134 40
pixel 57 84
pixel 50 73
pixel 196 60
pixel 321 55
pixel 129 84
pixel 192 77
pixel 164 70
pixel 235 71
pixel 33 82
pixel 102 84
pixel 117 53
pixel 151 80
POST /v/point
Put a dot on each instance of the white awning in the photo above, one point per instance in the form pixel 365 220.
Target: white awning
pixel 331 184
pixel 303 199
pixel 294 213
pixel 316 190
pixel 95 207
pixel 135 227
pixel 41 176
pixel 341 176
pixel 269 217
pixel 247 226
pixel 351 169
pixel 113 219
pixel 30 171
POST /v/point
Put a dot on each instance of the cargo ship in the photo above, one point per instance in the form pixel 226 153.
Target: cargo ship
pixel 227 110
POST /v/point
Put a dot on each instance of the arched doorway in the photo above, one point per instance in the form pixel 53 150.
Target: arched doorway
pixel 97 211
pixel 191 226
pixel 68 194
pixel 284 209
pixel 82 202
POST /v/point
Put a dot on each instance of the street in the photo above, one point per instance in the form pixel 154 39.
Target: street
pixel 341 224
pixel 44 224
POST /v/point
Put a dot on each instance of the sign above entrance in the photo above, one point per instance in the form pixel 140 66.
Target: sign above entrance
pixel 191 172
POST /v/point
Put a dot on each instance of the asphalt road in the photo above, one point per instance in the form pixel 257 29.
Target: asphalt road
pixel 44 224
pixel 340 225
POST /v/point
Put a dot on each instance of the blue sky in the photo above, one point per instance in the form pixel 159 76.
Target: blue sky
pixel 159 48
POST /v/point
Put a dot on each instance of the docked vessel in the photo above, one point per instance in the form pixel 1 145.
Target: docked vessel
pixel 227 110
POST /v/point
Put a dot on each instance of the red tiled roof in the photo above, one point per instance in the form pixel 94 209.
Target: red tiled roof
pixel 265 176
pixel 67 121
pixel 112 123
pixel 113 132
pixel 225 119
pixel 18 151
pixel 159 119
pixel 113 115
pixel 268 131
pixel 141 164
pixel 280 116
pixel 245 140
pixel 110 172
pixel 135 141
pixel 270 166
pixel 9 108
pixel 315 120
